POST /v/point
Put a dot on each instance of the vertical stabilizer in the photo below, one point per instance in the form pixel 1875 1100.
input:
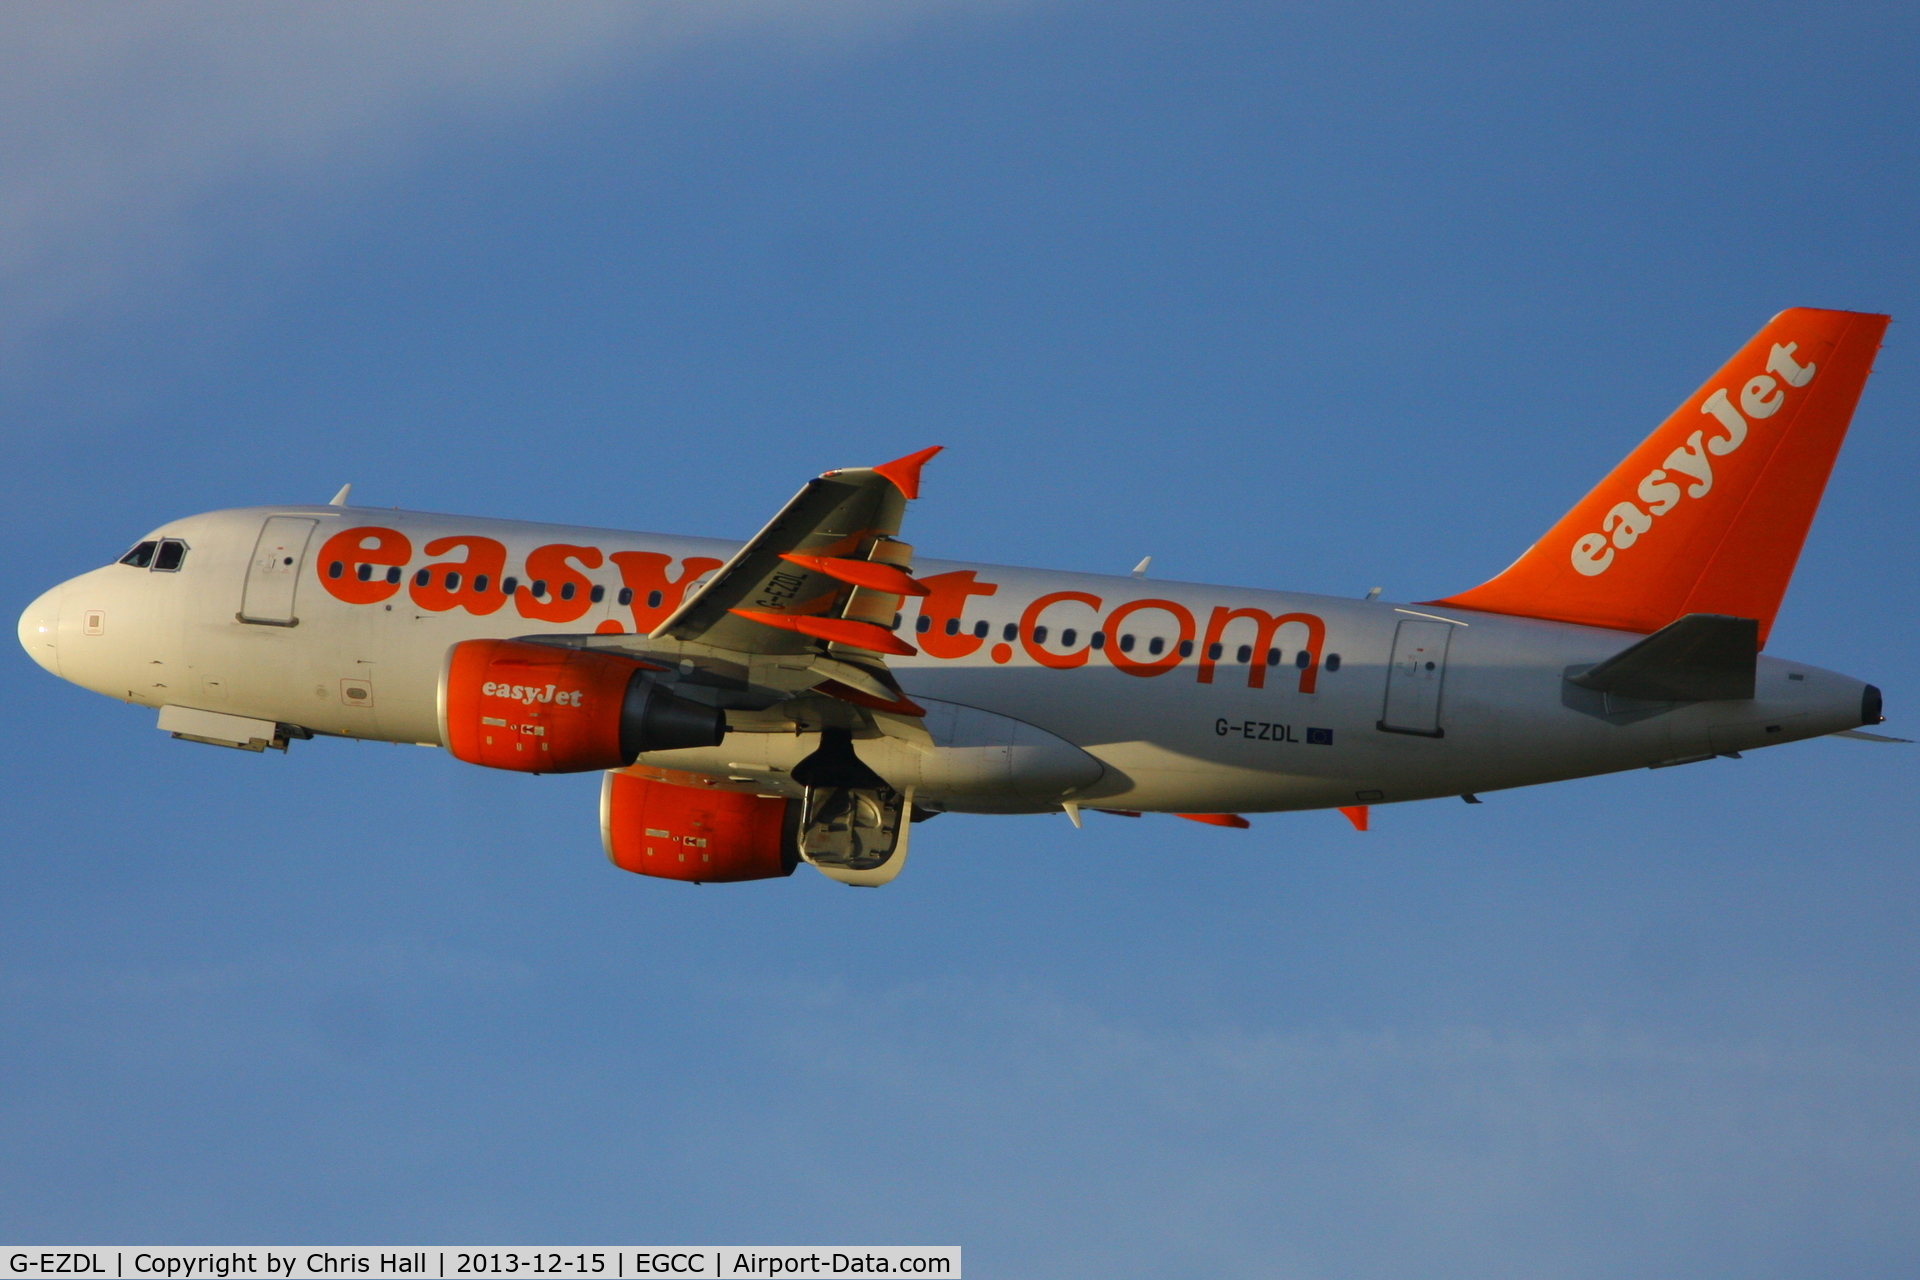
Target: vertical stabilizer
pixel 1708 515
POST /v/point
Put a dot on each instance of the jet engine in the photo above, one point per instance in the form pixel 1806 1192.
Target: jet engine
pixel 696 833
pixel 538 708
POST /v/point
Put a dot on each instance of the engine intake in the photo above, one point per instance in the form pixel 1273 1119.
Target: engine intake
pixel 539 708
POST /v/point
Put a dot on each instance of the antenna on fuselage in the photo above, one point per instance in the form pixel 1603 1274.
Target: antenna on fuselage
pixel 1373 593
pixel 340 498
pixel 1140 570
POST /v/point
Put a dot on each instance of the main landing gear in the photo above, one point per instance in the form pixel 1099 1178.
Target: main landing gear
pixel 850 819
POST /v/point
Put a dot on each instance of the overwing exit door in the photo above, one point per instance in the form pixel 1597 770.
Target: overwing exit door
pixel 274 572
pixel 1414 678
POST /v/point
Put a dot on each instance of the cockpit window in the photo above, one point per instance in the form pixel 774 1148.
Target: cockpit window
pixel 162 555
pixel 171 555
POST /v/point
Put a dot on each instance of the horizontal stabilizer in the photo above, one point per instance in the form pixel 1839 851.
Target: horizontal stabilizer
pixel 1704 657
pixel 1858 736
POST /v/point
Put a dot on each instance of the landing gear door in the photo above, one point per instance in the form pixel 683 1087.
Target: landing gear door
pixel 1414 678
pixel 853 824
pixel 857 837
pixel 275 571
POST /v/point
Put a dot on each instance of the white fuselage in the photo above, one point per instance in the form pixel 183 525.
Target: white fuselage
pixel 1458 702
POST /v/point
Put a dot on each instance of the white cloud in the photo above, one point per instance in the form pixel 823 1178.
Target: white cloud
pixel 116 118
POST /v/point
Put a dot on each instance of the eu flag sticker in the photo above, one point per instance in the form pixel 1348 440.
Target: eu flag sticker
pixel 1319 737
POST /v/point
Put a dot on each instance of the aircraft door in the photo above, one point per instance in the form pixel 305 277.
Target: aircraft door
pixel 275 571
pixel 1414 678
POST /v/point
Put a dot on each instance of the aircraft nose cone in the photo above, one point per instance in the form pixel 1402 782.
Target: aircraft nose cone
pixel 40 630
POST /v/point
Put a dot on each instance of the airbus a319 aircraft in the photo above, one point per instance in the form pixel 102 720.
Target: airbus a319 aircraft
pixel 807 695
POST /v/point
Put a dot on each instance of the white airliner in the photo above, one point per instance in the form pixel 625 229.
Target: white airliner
pixel 806 695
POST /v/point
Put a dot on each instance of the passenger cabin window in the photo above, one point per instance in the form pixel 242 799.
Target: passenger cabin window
pixel 480 581
pixel 1126 643
pixel 953 626
pixel 452 581
pixel 539 588
pixel 171 555
pixel 1010 632
pixel 598 594
pixel 566 590
pixel 1273 657
pixel 1246 652
pixel 653 599
pixel 1039 635
pixel 423 577
pixel 1068 637
pixel 923 623
pixel 1333 661
pixel 1303 660
pixel 625 596
pixel 1155 645
pixel 1099 639
pixel 981 628
pixel 141 556
pixel 509 585
pixel 1186 648
pixel 1213 652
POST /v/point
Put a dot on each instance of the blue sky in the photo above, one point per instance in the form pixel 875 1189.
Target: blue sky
pixel 1308 296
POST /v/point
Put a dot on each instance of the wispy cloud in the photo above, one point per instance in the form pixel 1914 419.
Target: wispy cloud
pixel 116 119
pixel 1061 1140
pixel 1453 1150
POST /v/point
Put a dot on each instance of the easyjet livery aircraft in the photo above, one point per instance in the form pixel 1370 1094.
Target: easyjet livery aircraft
pixel 807 695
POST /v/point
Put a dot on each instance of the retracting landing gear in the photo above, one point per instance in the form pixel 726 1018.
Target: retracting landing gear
pixel 852 824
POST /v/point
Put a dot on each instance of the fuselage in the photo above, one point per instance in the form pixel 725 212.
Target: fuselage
pixel 1190 698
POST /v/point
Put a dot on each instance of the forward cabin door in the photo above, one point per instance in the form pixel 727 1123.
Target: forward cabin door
pixel 1414 678
pixel 275 571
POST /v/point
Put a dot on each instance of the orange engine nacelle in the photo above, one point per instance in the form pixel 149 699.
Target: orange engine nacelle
pixel 539 708
pixel 696 833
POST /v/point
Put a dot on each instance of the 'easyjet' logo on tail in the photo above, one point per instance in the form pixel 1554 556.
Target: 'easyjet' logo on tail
pixel 1691 465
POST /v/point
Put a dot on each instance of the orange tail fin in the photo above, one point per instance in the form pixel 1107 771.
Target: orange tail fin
pixel 1709 513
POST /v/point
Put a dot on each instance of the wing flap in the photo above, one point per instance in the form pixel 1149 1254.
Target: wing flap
pixel 843 631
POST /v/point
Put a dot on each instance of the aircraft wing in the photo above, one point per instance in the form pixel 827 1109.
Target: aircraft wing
pixel 820 584
pixel 840 516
